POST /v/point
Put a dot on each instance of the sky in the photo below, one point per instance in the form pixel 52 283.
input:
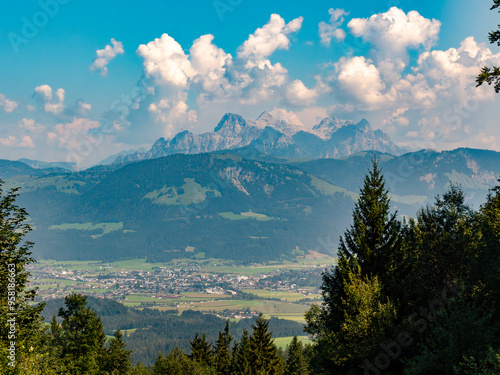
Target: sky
pixel 81 80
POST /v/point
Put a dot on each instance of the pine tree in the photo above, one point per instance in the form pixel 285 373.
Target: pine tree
pixel 371 260
pixel 178 363
pixel 223 357
pixel 20 321
pixel 201 350
pixel 116 358
pixel 295 362
pixel 82 336
pixel 241 356
pixel 264 356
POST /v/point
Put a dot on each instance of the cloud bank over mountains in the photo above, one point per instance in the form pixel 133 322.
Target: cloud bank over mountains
pixel 391 74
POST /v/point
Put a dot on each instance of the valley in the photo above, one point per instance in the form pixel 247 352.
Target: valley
pixel 281 289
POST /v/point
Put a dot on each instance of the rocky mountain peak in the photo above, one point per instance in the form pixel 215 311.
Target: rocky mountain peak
pixel 329 125
pixel 230 122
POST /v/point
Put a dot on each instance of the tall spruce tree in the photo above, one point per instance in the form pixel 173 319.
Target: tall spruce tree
pixel 201 350
pixel 82 337
pixel 370 262
pixel 264 357
pixel 116 357
pixel 241 356
pixel 295 361
pixel 223 357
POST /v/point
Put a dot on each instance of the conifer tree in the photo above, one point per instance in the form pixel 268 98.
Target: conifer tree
pixel 82 336
pixel 295 362
pixel 241 356
pixel 264 356
pixel 370 263
pixel 223 357
pixel 116 358
pixel 201 350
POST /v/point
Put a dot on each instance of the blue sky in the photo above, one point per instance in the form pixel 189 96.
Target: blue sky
pixel 396 69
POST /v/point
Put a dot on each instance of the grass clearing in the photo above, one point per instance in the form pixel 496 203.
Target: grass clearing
pixel 329 189
pixel 190 192
pixel 105 227
pixel 282 342
pixel 246 215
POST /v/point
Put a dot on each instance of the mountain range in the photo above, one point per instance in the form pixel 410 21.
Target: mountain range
pixel 330 138
pixel 238 204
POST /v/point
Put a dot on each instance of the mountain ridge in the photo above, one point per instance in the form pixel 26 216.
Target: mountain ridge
pixel 330 138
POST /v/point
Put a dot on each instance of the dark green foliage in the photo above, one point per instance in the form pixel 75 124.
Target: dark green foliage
pixel 295 362
pixel 264 358
pixel 356 311
pixel 116 358
pixel 222 351
pixel 160 331
pixel 178 363
pixel 241 354
pixel 491 75
pixel 20 321
pixel 201 350
pixel 81 336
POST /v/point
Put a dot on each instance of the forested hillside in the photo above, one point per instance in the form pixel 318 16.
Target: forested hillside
pixel 407 297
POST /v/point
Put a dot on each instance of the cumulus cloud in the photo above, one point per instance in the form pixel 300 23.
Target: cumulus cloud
pixel 52 102
pixel 104 56
pixel 298 94
pixel 30 125
pixel 8 141
pixel 166 62
pixel 332 30
pixel 11 141
pixel 287 116
pixel 71 134
pixel 7 104
pixel 26 141
pixel 267 39
pixel 360 80
pixel 249 78
pixel 393 32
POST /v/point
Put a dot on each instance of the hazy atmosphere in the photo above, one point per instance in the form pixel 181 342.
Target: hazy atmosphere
pixel 236 187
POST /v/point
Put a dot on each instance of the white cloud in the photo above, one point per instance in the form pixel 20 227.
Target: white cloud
pixel 7 104
pixel 249 79
pixel 264 41
pixel 8 141
pixel 52 102
pixel 287 116
pixel 298 94
pixel 166 62
pixel 11 141
pixel 26 141
pixel 104 56
pixel 330 30
pixel 393 32
pixel 360 79
pixel 30 125
pixel 72 131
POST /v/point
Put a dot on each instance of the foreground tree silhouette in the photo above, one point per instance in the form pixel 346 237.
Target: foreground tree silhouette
pixel 356 310
pixel 15 255
pixel 491 75
pixel 223 357
pixel 264 357
pixel 295 362
pixel 81 336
